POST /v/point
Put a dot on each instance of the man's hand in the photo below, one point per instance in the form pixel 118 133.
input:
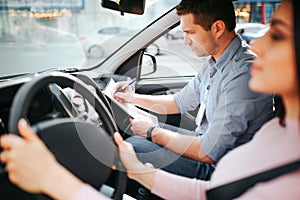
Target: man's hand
pixel 126 96
pixel 140 126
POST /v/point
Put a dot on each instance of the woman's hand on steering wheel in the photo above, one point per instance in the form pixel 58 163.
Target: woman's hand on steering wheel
pixel 32 167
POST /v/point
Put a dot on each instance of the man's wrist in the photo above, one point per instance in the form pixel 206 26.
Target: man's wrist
pixel 149 132
pixel 131 99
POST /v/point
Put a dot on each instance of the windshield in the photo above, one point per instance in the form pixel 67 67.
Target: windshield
pixel 41 35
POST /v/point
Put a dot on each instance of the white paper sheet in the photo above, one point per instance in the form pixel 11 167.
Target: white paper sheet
pixel 131 109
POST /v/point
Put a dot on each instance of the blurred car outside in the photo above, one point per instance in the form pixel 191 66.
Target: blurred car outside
pixel 249 36
pixel 162 44
pixel 92 42
pixel 95 44
pixel 250 31
pixel 158 46
pixel 175 33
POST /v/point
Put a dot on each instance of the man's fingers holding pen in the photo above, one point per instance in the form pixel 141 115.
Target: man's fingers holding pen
pixel 126 95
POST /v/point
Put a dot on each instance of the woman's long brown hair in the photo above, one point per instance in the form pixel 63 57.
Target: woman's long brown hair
pixel 279 107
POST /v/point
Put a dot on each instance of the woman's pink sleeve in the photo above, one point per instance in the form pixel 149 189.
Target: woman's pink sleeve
pixel 170 186
pixel 87 192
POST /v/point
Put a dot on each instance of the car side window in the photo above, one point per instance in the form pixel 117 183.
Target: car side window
pixel 172 58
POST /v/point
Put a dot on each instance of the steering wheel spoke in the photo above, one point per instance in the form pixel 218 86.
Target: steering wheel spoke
pixel 64 101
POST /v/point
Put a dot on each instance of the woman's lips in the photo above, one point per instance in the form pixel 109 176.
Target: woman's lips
pixel 255 68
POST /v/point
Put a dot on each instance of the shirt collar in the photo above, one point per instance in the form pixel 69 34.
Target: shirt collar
pixel 229 52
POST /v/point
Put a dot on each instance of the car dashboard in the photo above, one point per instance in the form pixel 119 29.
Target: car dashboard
pixel 44 106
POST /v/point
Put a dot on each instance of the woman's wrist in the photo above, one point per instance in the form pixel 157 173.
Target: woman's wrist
pixel 58 190
pixel 144 175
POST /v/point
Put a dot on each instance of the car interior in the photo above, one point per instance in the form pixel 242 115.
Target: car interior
pixel 69 106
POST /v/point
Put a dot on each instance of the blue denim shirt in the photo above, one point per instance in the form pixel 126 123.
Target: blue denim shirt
pixel 233 112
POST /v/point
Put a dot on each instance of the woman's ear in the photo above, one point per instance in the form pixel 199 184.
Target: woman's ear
pixel 218 28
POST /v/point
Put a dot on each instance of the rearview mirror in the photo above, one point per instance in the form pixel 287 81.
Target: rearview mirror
pixel 125 6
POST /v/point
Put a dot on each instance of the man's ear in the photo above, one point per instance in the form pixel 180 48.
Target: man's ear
pixel 218 28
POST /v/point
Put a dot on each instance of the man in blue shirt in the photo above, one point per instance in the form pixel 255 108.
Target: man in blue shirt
pixel 229 112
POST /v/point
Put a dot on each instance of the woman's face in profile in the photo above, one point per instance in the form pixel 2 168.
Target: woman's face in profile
pixel 274 70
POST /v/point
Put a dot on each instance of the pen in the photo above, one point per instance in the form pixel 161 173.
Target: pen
pixel 121 89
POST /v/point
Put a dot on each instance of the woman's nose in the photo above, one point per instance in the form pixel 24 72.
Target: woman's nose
pixel 254 46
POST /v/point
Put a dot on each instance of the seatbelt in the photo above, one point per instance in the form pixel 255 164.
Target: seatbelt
pixel 235 189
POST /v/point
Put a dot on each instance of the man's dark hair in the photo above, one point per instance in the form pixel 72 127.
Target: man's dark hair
pixel 206 12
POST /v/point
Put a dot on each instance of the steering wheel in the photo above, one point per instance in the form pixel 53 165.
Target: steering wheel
pixel 86 150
